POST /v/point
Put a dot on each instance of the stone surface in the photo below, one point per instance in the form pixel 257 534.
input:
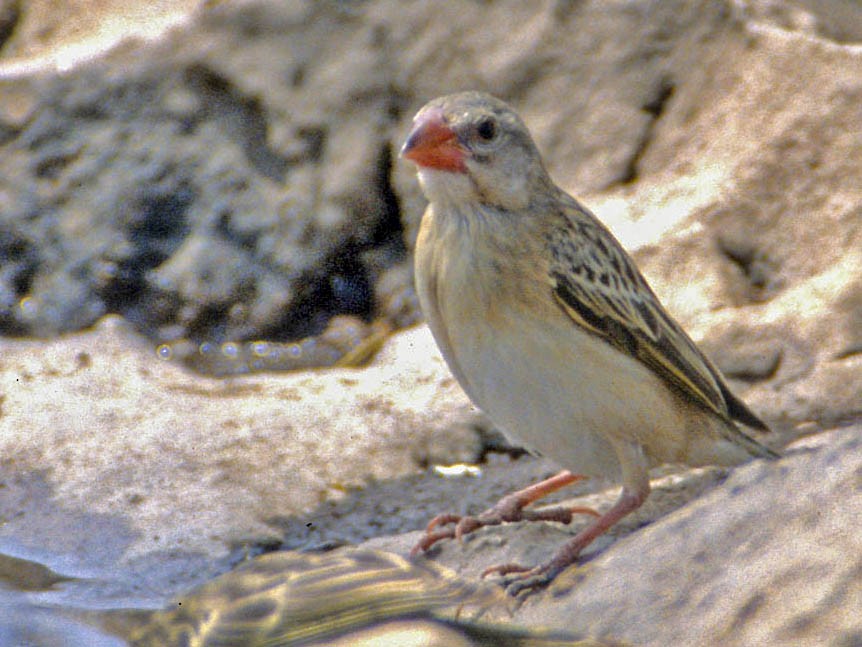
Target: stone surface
pixel 204 195
pixel 197 192
pixel 188 464
pixel 769 556
pixel 236 179
pixel 10 12
pixel 61 34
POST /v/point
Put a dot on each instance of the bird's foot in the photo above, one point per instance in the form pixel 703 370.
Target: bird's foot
pixel 520 581
pixel 508 509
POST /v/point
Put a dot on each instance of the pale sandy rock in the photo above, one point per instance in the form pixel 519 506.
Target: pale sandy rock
pixel 244 132
pixel 718 139
pixel 771 557
pixel 60 34
pixel 10 12
pixel 193 464
pixel 836 19
pixel 724 118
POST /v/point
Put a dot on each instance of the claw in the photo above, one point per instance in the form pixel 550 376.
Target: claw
pixel 518 580
pixel 442 520
pixel 505 569
pixel 465 526
pixel 431 538
pixel 530 582
pixel 508 509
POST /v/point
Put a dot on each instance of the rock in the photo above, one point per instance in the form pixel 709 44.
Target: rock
pixel 236 179
pixel 836 20
pixel 285 172
pixel 196 192
pixel 10 11
pixel 768 556
pixel 737 574
pixel 60 34
pixel 189 464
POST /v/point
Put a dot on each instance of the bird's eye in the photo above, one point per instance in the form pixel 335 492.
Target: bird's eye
pixel 487 129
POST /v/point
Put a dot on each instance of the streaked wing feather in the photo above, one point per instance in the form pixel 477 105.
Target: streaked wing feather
pixel 599 287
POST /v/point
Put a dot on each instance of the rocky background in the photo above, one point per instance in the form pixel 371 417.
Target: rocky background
pixel 215 186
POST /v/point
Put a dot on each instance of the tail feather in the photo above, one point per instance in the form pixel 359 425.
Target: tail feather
pixel 753 447
pixel 739 411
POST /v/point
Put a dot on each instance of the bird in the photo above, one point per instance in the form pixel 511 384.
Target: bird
pixel 550 328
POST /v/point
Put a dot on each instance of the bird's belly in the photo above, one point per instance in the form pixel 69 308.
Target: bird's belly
pixel 562 392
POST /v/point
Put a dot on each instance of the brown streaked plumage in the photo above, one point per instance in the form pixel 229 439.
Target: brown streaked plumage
pixel 550 328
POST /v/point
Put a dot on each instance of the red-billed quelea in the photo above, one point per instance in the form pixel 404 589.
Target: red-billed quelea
pixel 550 328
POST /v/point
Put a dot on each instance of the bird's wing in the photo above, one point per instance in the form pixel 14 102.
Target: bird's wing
pixel 599 287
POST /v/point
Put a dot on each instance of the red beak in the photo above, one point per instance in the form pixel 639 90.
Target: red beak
pixel 433 144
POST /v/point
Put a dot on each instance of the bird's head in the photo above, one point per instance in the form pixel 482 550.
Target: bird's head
pixel 471 147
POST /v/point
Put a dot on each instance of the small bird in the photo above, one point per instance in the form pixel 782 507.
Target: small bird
pixel 550 328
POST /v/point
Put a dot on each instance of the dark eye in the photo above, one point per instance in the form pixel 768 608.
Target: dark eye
pixel 487 129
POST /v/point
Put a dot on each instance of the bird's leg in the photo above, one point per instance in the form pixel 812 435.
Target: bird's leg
pixel 526 579
pixel 509 508
pixel 636 489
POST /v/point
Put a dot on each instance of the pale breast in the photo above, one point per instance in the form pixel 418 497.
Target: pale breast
pixel 545 382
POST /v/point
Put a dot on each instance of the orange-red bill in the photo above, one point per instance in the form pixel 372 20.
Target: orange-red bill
pixel 433 144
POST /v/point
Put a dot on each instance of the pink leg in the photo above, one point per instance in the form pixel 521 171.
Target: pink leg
pixel 509 508
pixel 636 489
pixel 532 578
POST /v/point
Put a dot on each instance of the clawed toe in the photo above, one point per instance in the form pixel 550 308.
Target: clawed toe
pixel 442 520
pixel 528 582
pixel 456 527
pixel 508 509
pixel 430 538
pixel 520 581
pixel 504 569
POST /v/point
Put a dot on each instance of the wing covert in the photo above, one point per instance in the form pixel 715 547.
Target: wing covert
pixel 598 286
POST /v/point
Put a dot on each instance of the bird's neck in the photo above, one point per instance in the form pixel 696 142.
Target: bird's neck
pixel 446 189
